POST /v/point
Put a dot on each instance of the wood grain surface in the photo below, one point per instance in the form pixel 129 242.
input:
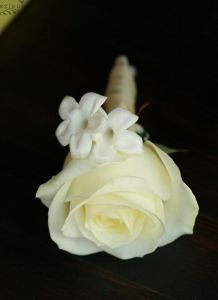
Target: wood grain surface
pixel 56 48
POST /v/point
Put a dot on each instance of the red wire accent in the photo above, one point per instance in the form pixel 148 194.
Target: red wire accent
pixel 143 107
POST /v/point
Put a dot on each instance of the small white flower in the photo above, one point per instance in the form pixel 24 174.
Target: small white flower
pixel 115 136
pixel 81 121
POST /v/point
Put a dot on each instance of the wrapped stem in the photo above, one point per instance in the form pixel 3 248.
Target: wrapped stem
pixel 121 87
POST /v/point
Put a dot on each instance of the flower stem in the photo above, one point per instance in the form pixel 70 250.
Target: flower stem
pixel 121 87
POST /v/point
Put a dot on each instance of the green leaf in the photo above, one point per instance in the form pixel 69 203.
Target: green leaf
pixel 170 150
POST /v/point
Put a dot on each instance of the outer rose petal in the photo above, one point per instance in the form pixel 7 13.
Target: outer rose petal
pixel 126 184
pixel 147 166
pixel 66 106
pixel 182 209
pixel 57 215
pixel 137 248
pixel 120 119
pixel 128 142
pixel 80 145
pixel 73 168
pixel 91 102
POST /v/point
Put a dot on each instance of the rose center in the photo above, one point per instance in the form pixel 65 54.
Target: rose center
pixel 107 222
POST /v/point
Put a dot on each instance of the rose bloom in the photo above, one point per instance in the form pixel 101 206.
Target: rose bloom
pixel 126 208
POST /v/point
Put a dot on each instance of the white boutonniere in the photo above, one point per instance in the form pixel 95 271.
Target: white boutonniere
pixel 115 193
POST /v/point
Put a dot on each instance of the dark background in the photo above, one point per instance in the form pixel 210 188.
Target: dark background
pixel 56 48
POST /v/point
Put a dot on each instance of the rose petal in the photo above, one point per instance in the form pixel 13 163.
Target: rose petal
pixel 56 217
pixel 107 224
pixel 72 170
pixel 148 204
pixel 137 248
pixel 129 192
pixel 63 133
pixel 70 228
pixel 124 206
pixel 182 209
pixel 144 245
pixel 128 142
pixel 146 165
pixel 120 119
pixel 91 102
pixel 126 184
pixel 80 145
pixel 66 106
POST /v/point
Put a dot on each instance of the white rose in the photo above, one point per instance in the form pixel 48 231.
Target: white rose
pixel 127 208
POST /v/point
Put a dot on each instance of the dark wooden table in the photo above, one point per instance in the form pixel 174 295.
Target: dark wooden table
pixel 56 48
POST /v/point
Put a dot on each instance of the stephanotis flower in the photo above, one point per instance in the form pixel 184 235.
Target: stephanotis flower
pixel 91 132
pixel 115 136
pixel 80 121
